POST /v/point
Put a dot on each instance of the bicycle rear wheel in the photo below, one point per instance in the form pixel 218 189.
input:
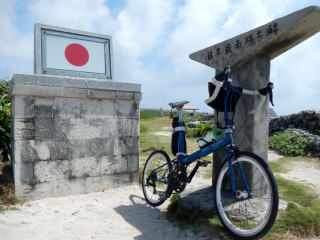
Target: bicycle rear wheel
pixel 155 183
pixel 251 211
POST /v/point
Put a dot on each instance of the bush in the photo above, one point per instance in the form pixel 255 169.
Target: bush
pixel 289 144
pixel 5 121
pixel 143 128
pixel 199 131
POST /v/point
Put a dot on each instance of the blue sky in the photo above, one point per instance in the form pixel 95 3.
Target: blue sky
pixel 153 38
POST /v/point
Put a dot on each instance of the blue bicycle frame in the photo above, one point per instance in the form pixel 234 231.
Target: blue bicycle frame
pixel 227 141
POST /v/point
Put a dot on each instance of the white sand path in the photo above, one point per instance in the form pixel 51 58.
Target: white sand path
pixel 115 214
pixel 306 172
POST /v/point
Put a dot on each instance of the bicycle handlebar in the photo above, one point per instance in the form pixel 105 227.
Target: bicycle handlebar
pixel 224 78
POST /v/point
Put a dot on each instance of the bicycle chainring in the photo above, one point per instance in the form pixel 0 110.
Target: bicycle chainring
pixel 180 178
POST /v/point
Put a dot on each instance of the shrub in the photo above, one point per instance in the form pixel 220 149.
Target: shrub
pixel 204 128
pixel 5 121
pixel 199 131
pixel 289 144
pixel 143 128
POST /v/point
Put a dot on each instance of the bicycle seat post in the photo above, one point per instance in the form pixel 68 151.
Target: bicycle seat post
pixel 180 114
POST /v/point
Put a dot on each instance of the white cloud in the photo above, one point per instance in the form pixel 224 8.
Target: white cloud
pixel 142 24
pixel 295 74
pixel 80 14
pixel 15 48
pixel 152 41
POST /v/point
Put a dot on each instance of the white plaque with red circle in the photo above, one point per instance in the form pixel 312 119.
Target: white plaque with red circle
pixel 61 51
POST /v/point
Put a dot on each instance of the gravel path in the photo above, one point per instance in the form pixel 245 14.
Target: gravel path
pixel 116 214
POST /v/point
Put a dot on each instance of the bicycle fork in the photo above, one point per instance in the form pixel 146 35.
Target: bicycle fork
pixel 232 155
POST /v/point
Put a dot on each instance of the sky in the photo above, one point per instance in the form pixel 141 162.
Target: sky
pixel 152 40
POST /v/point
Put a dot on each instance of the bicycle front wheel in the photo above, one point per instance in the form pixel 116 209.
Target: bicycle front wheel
pixel 250 211
pixel 155 183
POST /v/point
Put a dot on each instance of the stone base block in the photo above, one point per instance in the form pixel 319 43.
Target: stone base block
pixel 66 187
pixel 73 135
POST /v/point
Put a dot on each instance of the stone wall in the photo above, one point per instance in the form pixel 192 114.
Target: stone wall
pixel 73 135
pixel 305 120
pixel 305 123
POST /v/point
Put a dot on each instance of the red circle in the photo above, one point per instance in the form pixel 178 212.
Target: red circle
pixel 76 54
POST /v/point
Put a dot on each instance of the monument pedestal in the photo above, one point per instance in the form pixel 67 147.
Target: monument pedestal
pixel 73 135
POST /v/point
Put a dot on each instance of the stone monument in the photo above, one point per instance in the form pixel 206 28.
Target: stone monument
pixel 249 56
pixel 74 129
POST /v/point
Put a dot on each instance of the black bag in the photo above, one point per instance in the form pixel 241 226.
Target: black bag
pixel 217 102
pixel 175 136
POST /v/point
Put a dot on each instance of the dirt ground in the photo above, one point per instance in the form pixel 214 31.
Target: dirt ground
pixel 118 213
pixel 115 214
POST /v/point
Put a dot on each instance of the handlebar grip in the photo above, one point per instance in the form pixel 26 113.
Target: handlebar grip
pixel 268 90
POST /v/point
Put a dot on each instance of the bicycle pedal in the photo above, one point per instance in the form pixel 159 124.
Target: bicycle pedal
pixel 163 195
pixel 204 163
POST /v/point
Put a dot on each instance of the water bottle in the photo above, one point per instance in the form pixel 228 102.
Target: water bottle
pixel 209 138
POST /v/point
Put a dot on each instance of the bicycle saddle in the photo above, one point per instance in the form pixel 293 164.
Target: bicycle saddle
pixel 178 104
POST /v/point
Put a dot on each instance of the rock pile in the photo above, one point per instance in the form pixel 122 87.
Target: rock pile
pixel 305 120
pixel 314 147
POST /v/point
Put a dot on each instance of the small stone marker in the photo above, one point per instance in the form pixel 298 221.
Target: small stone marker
pixel 61 51
pixel 249 55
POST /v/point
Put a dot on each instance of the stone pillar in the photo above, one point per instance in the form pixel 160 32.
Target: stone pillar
pixel 249 55
pixel 73 135
pixel 251 131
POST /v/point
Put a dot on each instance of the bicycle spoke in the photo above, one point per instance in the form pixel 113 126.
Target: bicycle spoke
pixel 155 178
pixel 243 213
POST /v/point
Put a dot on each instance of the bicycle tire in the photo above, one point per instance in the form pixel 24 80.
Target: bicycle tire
pixel 167 188
pixel 258 199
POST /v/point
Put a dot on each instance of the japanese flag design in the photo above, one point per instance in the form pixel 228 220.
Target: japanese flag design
pixel 74 54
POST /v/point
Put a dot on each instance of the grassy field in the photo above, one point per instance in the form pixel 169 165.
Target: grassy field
pixel 301 219
pixel 155 134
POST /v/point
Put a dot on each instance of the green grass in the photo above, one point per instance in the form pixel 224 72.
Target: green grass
pixel 7 198
pixel 283 164
pixel 300 219
pixel 299 193
pixel 302 216
pixel 149 141
pixel 152 113
pixel 143 128
pixel 208 226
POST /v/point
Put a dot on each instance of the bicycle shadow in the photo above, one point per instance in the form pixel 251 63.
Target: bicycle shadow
pixel 146 219
pixel 153 224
